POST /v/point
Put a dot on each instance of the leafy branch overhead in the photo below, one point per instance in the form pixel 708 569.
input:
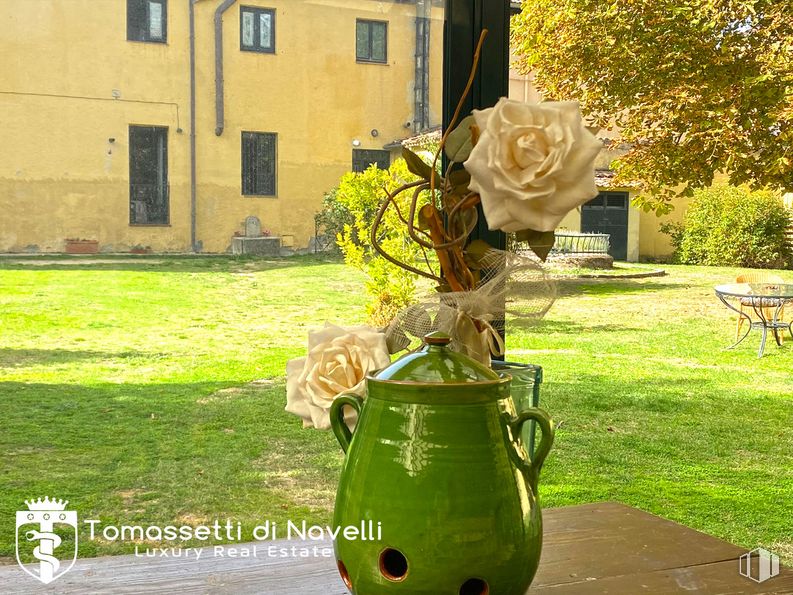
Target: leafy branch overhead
pixel 696 87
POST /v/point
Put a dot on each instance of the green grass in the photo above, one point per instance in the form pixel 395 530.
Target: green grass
pixel 125 387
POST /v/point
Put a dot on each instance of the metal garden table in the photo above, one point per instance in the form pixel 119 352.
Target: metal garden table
pixel 763 298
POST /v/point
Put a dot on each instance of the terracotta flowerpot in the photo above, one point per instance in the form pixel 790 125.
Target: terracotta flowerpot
pixel 82 247
pixel 435 459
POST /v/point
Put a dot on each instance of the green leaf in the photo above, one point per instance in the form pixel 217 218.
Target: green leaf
pixel 396 342
pixel 417 166
pixel 476 250
pixel 459 180
pixel 458 144
pixel 423 221
pixel 450 200
pixel 540 242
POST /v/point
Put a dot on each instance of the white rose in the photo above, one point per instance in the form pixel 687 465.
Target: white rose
pixel 338 361
pixel 533 163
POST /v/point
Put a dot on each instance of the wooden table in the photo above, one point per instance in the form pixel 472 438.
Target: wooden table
pixel 592 548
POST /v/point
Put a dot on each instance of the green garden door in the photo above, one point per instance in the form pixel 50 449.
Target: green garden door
pixel 608 213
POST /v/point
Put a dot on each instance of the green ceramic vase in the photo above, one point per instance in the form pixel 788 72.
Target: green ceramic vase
pixel 438 480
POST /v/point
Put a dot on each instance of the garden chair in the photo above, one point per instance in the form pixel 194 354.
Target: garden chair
pixel 746 303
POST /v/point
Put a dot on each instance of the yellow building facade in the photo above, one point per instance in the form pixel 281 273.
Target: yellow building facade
pixel 99 98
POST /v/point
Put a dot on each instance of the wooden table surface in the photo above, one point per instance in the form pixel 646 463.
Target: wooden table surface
pixel 588 549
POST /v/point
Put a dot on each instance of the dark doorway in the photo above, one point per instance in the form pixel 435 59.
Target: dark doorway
pixel 363 158
pixel 608 213
pixel 148 175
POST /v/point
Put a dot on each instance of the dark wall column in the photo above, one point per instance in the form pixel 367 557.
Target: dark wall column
pixel 465 20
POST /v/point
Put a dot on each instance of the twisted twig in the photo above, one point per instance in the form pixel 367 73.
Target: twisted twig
pixel 459 108
pixel 449 248
pixel 379 249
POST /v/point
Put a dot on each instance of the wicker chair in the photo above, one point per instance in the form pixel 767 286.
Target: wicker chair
pixel 746 304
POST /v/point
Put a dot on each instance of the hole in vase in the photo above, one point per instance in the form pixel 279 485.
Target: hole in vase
pixel 393 564
pixel 345 576
pixel 474 586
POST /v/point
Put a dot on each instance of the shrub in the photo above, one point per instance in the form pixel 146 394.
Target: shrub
pixel 733 226
pixel 332 219
pixel 352 207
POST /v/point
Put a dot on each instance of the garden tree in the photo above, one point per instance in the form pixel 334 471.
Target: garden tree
pixel 696 87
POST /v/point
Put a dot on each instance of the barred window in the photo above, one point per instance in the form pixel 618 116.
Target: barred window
pixel 363 158
pixel 147 20
pixel 258 163
pixel 148 175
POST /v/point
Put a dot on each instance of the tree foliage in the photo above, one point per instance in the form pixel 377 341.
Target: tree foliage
pixel 729 226
pixel 696 87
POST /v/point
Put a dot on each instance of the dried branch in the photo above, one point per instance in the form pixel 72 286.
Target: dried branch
pixel 447 245
pixel 379 249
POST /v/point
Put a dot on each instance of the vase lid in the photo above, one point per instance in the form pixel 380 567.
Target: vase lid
pixel 436 363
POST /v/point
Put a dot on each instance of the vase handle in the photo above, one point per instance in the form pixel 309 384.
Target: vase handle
pixel 342 432
pixel 531 468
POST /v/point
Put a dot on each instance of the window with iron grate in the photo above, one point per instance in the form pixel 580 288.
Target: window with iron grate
pixel 148 175
pixel 259 163
pixel 363 158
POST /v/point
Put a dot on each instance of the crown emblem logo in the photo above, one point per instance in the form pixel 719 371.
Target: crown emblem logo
pixel 47 524
pixel 46 504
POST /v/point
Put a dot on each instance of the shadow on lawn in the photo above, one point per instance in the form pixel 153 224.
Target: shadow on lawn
pixel 132 452
pixel 163 263
pixel 577 287
pixel 20 358
pixel 89 430
pixel 550 326
pixel 698 395
pixel 144 418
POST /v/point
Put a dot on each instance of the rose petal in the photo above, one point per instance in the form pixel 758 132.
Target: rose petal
pixel 533 163
pixel 324 335
pixel 337 362
pixel 295 398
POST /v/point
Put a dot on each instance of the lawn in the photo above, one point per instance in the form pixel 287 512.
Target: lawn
pixel 151 390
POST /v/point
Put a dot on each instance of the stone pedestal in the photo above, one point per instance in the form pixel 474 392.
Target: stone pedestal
pixel 263 246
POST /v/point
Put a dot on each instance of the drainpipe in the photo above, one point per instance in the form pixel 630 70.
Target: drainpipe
pixel 193 242
pixel 219 107
pixel 421 110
